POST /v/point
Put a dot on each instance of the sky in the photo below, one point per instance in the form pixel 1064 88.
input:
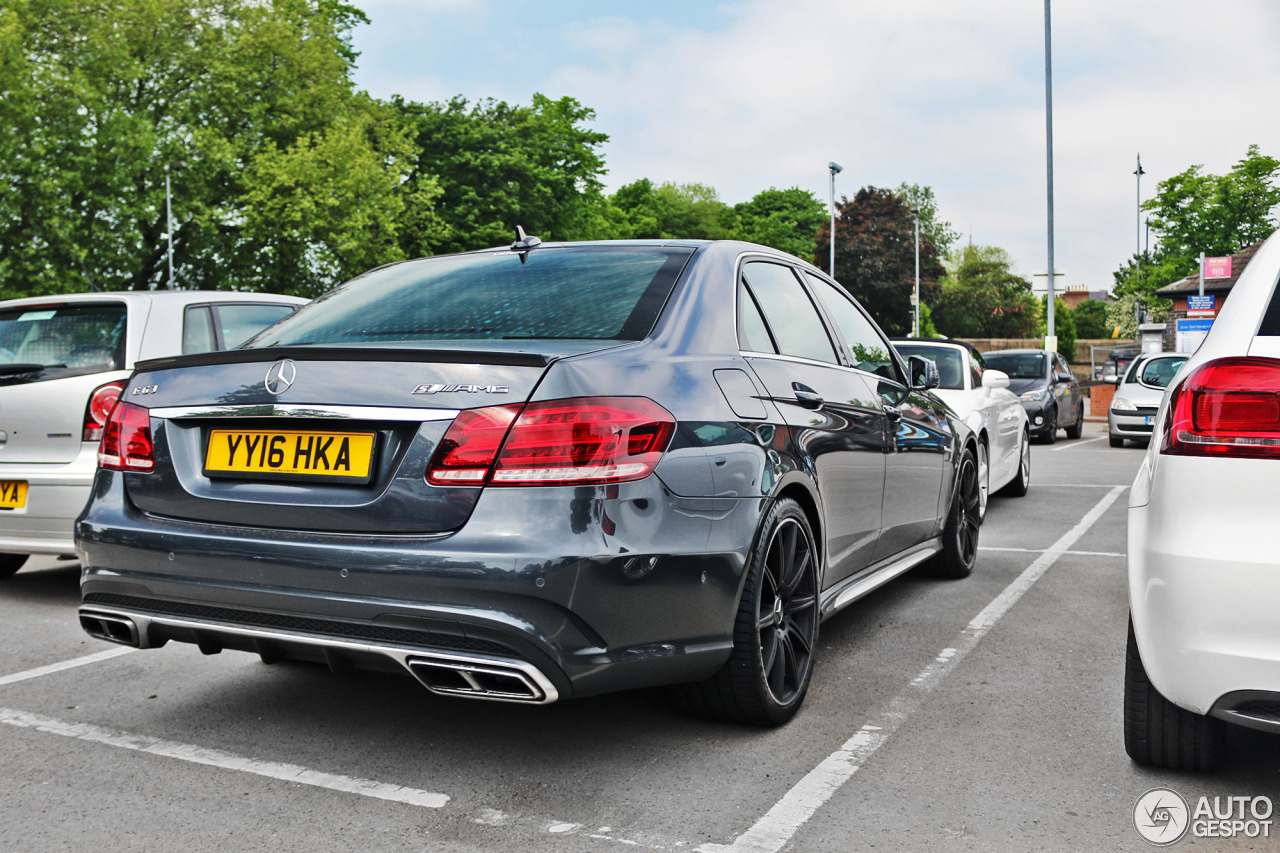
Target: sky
pixel 744 95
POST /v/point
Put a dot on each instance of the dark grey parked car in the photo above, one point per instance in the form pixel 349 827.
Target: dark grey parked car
pixel 1050 392
pixel 533 473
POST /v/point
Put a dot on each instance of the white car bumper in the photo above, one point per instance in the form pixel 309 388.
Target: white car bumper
pixel 1204 582
pixel 55 496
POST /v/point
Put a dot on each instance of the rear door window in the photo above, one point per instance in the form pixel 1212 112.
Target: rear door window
pixel 795 323
pixel 49 342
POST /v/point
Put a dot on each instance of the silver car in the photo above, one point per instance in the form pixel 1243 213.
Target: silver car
pixel 1137 399
pixel 63 361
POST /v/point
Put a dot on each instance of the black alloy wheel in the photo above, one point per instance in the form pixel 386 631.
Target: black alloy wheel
pixel 960 536
pixel 1051 433
pixel 776 631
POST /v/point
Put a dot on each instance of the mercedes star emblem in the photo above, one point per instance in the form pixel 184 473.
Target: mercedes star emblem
pixel 280 377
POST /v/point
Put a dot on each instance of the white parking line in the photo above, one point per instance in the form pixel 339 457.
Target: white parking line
pixel 66 664
pixel 780 823
pixel 1065 553
pixel 1077 443
pixel 225 760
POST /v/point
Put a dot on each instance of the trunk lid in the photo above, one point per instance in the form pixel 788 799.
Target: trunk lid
pixel 390 405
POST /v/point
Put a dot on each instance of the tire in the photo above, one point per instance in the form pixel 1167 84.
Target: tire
pixel 1157 733
pixel 775 633
pixel 1075 430
pixel 960 536
pixel 1017 487
pixel 1051 433
pixel 984 480
pixel 10 563
pixel 1115 441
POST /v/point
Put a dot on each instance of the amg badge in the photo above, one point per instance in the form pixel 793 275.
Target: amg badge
pixel 441 388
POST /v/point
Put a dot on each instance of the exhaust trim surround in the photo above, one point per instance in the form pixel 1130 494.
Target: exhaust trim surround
pixel 478 674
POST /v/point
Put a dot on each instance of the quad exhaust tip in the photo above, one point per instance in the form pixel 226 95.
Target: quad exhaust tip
pixel 503 682
pixel 114 629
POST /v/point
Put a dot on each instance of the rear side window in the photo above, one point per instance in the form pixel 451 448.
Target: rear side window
pixel 197 330
pixel 794 321
pixel 588 292
pixel 62 340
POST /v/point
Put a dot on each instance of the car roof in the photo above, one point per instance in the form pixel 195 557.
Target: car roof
pixel 938 342
pixel 143 296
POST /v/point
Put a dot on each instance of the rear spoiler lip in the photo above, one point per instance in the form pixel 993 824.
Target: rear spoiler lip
pixel 446 356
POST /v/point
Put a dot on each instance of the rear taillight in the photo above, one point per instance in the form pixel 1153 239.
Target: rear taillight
pixel 1227 407
pixel 583 441
pixel 470 445
pixel 101 402
pixel 126 440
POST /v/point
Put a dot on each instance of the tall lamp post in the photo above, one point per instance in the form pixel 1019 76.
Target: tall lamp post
pixel 834 168
pixel 915 314
pixel 1138 242
pixel 168 213
pixel 1051 339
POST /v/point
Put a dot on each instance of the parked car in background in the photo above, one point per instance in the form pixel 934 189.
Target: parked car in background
pixel 63 361
pixel 1049 390
pixel 1204 546
pixel 979 395
pixel 535 472
pixel 1138 395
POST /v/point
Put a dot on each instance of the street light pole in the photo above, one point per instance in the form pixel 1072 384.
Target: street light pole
pixel 1051 339
pixel 915 321
pixel 1138 237
pixel 168 212
pixel 834 168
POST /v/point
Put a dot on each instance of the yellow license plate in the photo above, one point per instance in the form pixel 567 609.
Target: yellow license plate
pixel 13 494
pixel 272 454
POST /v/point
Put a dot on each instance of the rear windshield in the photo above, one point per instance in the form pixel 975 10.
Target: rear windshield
pixel 50 342
pixel 585 292
pixel 1025 366
pixel 949 361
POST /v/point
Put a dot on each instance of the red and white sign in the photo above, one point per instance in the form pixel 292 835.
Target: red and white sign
pixel 1217 267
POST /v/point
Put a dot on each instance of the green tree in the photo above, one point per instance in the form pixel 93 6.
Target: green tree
pixel 1090 318
pixel 642 211
pixel 1123 313
pixel 499 165
pixel 932 226
pixel 784 219
pixel 291 179
pixel 1194 212
pixel 982 297
pixel 875 256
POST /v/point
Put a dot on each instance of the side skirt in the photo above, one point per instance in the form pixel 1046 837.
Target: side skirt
pixel 875 576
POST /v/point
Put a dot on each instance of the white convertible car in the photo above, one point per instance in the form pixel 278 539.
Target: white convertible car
pixel 982 399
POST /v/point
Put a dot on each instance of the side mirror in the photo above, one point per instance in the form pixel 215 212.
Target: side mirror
pixel 924 373
pixel 995 378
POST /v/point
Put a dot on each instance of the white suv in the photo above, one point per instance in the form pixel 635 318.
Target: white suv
pixel 63 361
pixel 1204 545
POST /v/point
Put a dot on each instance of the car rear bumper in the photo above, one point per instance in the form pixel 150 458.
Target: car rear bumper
pixel 1204 576
pixel 593 589
pixel 55 496
pixel 1131 424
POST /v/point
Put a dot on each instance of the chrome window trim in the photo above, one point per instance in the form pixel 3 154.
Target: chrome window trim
pixel 304 410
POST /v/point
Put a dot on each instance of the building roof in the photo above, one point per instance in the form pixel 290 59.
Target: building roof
pixel 1191 284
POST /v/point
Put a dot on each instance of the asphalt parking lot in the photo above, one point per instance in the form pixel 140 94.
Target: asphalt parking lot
pixel 982 714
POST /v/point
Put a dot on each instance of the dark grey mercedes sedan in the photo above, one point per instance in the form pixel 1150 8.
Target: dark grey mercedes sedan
pixel 535 472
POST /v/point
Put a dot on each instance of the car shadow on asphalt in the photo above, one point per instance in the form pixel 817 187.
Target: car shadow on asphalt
pixel 58 584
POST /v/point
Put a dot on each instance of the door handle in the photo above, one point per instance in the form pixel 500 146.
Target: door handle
pixel 806 397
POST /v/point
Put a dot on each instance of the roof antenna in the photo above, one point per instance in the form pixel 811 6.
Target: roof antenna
pixel 524 243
